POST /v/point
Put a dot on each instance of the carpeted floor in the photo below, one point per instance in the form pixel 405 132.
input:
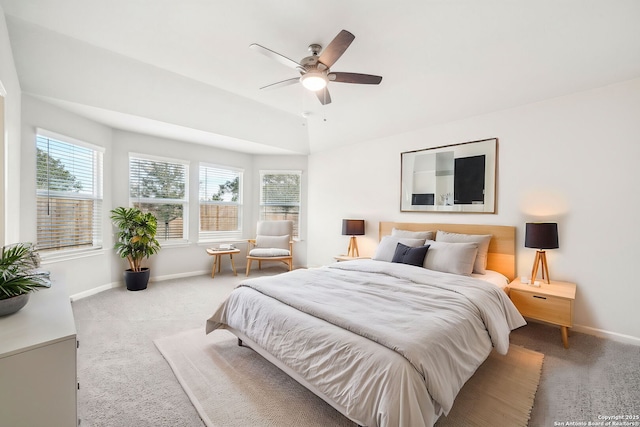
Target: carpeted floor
pixel 125 381
pixel 233 386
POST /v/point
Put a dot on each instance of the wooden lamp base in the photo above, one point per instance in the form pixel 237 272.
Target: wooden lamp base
pixel 353 248
pixel 541 258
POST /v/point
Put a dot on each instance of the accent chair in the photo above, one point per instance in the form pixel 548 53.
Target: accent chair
pixel 273 242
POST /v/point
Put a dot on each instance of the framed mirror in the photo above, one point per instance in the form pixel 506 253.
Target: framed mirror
pixel 450 178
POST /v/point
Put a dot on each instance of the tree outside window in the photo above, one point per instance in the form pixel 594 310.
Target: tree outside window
pixel 69 193
pixel 159 187
pixel 220 196
pixel 280 197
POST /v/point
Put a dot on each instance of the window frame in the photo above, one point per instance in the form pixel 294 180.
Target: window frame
pixel 96 195
pixel 212 236
pixel 158 201
pixel 261 204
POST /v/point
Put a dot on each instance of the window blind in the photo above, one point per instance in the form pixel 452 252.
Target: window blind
pixel 280 196
pixel 220 196
pixel 159 186
pixel 69 194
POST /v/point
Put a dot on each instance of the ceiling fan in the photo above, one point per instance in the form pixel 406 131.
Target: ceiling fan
pixel 315 72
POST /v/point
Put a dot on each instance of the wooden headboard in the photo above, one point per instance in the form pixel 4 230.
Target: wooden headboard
pixel 502 248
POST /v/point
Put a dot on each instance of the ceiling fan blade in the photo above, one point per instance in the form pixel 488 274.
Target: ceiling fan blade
pixel 276 56
pixel 336 48
pixel 364 79
pixel 323 96
pixel 283 83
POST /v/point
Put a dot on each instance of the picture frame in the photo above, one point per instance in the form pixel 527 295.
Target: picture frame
pixel 457 178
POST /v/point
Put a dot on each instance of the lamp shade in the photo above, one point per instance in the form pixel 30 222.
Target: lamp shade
pixel 541 235
pixel 353 227
pixel 314 80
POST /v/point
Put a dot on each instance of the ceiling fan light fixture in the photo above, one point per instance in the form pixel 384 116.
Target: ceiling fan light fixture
pixel 314 81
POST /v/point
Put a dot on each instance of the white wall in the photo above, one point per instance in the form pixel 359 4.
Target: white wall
pixel 174 261
pixel 89 272
pixel 103 268
pixel 572 159
pixel 9 140
pixel 292 163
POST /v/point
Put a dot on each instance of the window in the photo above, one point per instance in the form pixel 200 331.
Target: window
pixel 280 197
pixel 159 186
pixel 69 193
pixel 220 202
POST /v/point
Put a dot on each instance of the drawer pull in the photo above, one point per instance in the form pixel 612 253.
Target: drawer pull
pixel 538 296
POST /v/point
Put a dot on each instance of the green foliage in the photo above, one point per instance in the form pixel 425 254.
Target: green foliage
pixel 136 235
pixel 52 175
pixel 18 271
pixel 281 188
pixel 163 181
pixel 229 187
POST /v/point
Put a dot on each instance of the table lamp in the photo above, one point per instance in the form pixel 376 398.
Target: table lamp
pixel 353 228
pixel 541 235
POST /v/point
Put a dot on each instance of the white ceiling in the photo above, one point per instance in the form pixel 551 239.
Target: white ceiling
pixel 183 69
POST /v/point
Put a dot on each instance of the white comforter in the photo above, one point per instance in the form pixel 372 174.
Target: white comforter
pixel 390 344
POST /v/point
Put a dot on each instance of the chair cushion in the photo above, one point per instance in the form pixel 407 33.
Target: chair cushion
pixel 268 252
pixel 279 242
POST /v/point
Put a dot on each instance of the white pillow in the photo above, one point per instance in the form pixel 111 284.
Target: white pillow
pixel 387 247
pixel 456 258
pixel 426 235
pixel 280 242
pixel 483 240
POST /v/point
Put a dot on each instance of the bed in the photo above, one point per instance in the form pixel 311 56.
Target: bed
pixel 385 343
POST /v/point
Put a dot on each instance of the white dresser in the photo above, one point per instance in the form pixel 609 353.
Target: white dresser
pixel 38 382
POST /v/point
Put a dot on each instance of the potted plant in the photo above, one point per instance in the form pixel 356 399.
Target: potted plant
pixel 135 241
pixel 19 276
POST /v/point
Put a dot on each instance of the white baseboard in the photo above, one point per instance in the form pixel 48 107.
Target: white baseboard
pixel 179 275
pixel 112 285
pixel 600 333
pixel 84 294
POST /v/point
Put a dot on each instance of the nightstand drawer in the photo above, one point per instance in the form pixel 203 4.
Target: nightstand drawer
pixel 543 307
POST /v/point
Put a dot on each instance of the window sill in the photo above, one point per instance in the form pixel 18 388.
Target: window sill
pixel 174 244
pixel 209 242
pixel 51 258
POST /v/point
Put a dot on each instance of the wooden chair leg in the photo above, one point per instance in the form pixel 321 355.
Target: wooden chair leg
pixel 248 266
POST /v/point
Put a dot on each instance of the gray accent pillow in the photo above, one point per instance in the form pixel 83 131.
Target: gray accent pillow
pixel 280 242
pixel 408 255
pixel 426 235
pixel 456 258
pixel 387 247
pixel 483 240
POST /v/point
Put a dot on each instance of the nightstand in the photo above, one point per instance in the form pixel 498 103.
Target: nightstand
pixel 348 258
pixel 551 303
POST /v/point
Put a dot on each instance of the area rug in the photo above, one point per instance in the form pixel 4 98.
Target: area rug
pixel 234 386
